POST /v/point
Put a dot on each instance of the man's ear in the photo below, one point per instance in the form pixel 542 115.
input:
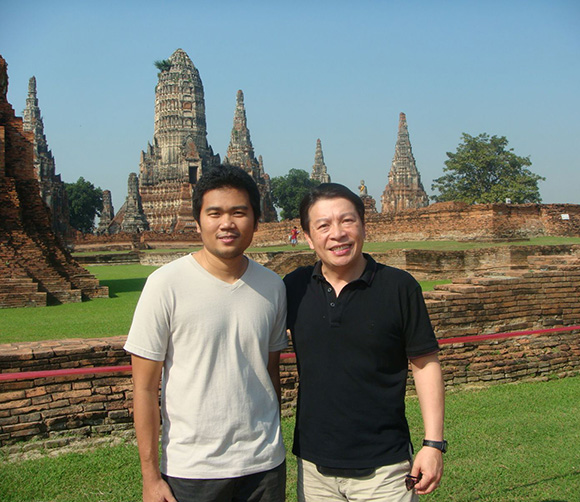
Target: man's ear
pixel 309 240
pixel 198 226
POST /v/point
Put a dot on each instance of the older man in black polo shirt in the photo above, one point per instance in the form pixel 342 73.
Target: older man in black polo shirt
pixel 355 325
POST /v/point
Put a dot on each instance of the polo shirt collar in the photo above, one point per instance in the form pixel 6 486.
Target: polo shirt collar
pixel 367 275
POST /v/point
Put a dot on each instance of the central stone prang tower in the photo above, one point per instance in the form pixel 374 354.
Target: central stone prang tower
pixel 404 189
pixel 241 153
pixel 180 152
pixel 52 188
pixel 319 170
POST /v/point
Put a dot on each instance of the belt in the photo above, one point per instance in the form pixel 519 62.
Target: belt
pixel 345 473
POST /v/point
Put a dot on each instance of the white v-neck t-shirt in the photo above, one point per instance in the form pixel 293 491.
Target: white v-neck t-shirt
pixel 219 408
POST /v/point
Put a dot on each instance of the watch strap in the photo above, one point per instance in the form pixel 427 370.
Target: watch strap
pixel 440 445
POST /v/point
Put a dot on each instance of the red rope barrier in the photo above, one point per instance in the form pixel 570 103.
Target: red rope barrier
pixel 29 375
pixel 494 336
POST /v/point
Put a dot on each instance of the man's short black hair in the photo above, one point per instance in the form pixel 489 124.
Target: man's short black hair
pixel 328 191
pixel 225 176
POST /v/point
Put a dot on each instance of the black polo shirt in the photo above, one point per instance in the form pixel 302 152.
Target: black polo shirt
pixel 352 354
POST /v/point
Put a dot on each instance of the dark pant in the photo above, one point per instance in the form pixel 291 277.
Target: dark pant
pixel 268 486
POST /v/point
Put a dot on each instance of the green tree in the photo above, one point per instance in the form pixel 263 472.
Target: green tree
pixel 287 192
pixel 484 170
pixel 84 202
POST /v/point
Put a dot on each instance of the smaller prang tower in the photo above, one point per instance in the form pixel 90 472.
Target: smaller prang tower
pixel 134 220
pixel 52 188
pixel 241 153
pixel 319 171
pixel 107 214
pixel 404 189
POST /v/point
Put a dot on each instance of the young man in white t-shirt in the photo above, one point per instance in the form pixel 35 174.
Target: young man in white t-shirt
pixel 211 326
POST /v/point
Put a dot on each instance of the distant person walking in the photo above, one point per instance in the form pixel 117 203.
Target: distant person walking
pixel 294 236
pixel 356 324
pixel 213 324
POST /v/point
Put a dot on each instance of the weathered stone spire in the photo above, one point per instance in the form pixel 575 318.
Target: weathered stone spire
pixel 241 153
pixel 107 214
pixel 319 171
pixel 180 152
pixel 43 159
pixel 52 189
pixel 240 150
pixel 404 189
pixel 134 220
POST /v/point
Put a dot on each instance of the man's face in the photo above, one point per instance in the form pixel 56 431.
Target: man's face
pixel 336 233
pixel 226 222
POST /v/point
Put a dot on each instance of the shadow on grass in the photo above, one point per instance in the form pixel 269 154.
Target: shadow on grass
pixel 123 285
pixel 539 482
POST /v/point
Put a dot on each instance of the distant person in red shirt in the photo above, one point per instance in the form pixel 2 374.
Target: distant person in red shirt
pixel 294 236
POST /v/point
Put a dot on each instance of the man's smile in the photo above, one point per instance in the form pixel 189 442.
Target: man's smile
pixel 341 250
pixel 228 238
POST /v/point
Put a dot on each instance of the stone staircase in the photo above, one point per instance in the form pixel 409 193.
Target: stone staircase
pixel 19 292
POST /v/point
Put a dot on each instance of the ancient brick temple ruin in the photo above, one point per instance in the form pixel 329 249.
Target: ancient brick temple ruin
pixel 52 189
pixel 180 151
pixel 35 268
pixel 404 189
pixel 134 220
pixel 180 154
pixel 319 170
pixel 107 214
pixel 241 153
pixel 368 201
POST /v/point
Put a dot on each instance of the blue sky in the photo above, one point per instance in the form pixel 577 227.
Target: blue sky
pixel 341 71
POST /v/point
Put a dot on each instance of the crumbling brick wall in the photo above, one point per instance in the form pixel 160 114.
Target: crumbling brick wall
pixel 453 221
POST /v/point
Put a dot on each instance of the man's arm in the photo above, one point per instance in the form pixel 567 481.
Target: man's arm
pixel 146 377
pixel 431 392
pixel 274 372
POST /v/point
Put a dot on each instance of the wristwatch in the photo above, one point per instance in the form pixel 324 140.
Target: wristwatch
pixel 440 445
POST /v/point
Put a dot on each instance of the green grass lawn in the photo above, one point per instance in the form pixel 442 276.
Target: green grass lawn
pixel 100 317
pixel 95 318
pixel 508 443
pixel 377 247
pixel 112 316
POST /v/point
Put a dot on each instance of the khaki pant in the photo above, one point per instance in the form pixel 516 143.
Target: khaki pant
pixel 386 484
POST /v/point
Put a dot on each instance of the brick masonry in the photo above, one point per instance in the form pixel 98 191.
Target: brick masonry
pixel 543 296
pixel 35 267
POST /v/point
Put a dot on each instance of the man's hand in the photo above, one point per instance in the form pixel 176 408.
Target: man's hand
pixel 428 462
pixel 157 491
